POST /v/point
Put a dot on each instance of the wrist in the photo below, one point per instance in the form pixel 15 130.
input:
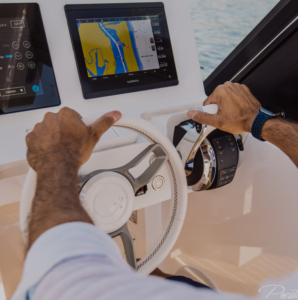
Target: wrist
pixel 53 163
pixel 270 126
pixel 249 122
pixel 57 173
pixel 58 169
pixel 57 182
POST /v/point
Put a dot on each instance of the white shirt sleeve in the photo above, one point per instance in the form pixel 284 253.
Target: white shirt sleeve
pixel 61 243
pixel 77 261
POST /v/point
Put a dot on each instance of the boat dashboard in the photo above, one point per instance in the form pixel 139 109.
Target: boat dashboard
pixel 139 58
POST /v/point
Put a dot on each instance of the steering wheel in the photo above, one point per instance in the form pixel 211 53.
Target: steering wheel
pixel 109 195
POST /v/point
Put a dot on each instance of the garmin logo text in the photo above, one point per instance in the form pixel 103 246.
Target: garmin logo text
pixel 133 81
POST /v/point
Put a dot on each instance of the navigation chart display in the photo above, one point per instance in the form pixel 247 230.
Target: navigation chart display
pixel 114 46
pixel 121 47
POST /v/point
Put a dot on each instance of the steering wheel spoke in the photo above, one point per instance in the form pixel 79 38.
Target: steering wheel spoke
pixel 128 245
pixel 147 176
pixel 161 157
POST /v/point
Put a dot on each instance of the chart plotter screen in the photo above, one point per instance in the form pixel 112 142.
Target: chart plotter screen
pixel 119 45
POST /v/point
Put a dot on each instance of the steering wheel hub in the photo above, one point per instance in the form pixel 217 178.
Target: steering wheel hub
pixel 108 198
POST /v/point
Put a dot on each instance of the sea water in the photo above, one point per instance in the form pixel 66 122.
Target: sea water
pixel 220 25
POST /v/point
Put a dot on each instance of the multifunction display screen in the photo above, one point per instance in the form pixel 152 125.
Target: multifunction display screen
pixel 26 74
pixel 121 48
pixel 120 45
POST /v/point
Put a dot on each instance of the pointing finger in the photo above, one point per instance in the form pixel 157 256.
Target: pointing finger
pixel 101 125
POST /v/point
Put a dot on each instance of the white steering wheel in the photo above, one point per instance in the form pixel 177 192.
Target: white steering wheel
pixel 109 195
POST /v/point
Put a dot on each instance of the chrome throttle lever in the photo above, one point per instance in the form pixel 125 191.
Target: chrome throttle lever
pixel 194 143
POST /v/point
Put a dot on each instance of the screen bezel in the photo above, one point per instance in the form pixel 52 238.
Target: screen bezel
pixel 113 86
pixel 42 52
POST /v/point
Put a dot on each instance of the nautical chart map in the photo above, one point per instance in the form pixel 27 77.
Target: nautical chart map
pixel 118 47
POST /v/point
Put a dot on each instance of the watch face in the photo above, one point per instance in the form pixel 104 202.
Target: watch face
pixel 269 113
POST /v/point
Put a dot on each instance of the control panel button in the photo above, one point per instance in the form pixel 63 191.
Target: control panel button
pixel 231 170
pixel 15 45
pixel 29 54
pixel 163 64
pixel 222 183
pixel 12 91
pixel 18 55
pixel 158 183
pixel 27 44
pixel 31 65
pixel 224 172
pixel 20 66
pixel 226 176
pixel 17 24
pixel 35 88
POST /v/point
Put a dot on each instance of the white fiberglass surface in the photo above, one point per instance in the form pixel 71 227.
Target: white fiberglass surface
pixel 243 234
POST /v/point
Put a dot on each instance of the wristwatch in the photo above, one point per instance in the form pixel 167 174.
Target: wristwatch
pixel 260 120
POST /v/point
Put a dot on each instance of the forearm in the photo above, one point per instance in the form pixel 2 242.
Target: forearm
pixel 284 135
pixel 56 200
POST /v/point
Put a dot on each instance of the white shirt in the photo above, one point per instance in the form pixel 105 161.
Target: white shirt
pixel 78 261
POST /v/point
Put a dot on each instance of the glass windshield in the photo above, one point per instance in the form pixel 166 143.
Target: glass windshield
pixel 220 25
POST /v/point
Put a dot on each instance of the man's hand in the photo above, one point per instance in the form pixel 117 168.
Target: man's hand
pixel 57 147
pixel 237 109
pixel 64 138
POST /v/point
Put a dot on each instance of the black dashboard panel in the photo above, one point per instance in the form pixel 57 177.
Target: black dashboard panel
pixel 121 48
pixel 27 79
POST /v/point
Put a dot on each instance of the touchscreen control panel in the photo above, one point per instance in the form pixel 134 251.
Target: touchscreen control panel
pixel 26 75
pixel 121 48
pixel 19 75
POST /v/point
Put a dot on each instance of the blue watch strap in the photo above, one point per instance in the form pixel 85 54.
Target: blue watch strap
pixel 258 125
